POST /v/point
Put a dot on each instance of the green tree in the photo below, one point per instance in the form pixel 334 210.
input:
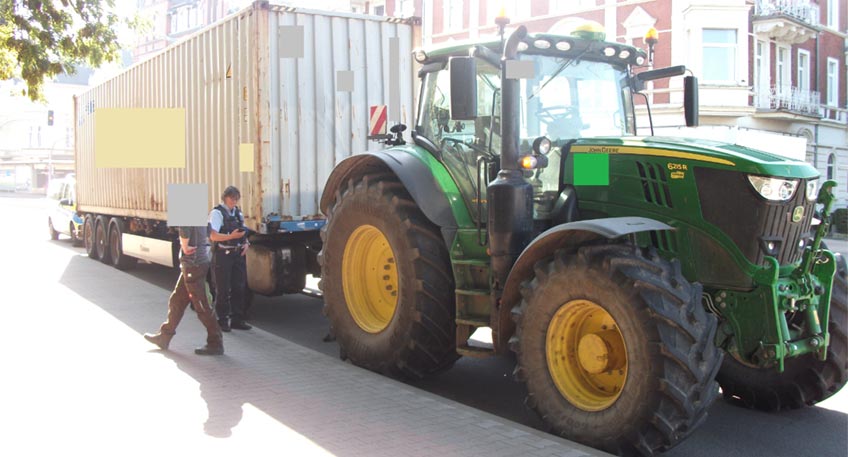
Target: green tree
pixel 40 39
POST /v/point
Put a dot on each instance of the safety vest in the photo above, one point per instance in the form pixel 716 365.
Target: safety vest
pixel 232 222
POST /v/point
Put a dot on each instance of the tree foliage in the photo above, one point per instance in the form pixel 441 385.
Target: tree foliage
pixel 40 39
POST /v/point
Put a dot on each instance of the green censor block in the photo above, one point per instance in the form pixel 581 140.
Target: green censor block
pixel 591 169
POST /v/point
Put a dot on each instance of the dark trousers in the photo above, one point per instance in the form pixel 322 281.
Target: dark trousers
pixel 192 288
pixel 229 272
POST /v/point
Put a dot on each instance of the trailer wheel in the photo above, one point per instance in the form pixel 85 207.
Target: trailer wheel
pixel 101 240
pixel 615 349
pixel 54 235
pixel 805 380
pixel 387 282
pixel 76 240
pixel 120 260
pixel 88 237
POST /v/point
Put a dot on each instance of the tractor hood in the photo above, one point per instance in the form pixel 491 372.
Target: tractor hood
pixel 712 154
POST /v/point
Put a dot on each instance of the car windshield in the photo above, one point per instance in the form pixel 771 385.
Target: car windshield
pixel 571 98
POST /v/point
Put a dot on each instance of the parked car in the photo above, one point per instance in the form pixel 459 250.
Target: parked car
pixel 62 217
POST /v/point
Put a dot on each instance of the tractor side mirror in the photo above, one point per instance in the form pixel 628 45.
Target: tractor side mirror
pixel 463 88
pixel 690 100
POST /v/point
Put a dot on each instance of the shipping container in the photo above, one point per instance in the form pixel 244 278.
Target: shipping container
pixel 246 80
pixel 237 89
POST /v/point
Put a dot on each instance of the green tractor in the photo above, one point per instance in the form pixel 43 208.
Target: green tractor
pixel 631 276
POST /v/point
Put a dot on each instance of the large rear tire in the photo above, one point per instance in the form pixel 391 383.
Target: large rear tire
pixel 805 380
pixel 88 237
pixel 615 349
pixel 120 260
pixel 387 282
pixel 101 239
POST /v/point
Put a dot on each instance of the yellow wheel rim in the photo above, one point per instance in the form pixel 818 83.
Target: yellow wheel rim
pixel 586 355
pixel 370 279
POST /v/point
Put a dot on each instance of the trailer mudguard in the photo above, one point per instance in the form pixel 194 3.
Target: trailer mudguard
pixel 562 236
pixel 415 176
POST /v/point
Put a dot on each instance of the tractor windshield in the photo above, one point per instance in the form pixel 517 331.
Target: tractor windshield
pixel 568 98
pixel 571 98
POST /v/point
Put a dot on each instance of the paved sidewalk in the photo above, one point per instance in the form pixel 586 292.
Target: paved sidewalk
pixel 80 380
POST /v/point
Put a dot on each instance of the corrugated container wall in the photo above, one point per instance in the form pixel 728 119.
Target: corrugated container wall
pixel 236 89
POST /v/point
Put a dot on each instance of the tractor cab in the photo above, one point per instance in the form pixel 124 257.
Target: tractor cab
pixel 569 88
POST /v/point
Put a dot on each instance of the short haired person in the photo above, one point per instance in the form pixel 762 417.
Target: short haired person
pixel 229 267
pixel 191 288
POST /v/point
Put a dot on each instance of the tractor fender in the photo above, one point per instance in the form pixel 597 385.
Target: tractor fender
pixel 572 234
pixel 418 180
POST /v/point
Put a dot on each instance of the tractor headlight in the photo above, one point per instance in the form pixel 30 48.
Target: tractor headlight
pixel 774 189
pixel 812 190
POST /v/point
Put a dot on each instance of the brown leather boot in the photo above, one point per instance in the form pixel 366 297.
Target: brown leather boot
pixel 160 339
pixel 210 350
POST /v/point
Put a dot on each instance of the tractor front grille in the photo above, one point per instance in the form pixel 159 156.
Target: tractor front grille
pixel 729 202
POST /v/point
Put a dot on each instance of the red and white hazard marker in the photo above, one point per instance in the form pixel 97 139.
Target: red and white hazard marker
pixel 378 120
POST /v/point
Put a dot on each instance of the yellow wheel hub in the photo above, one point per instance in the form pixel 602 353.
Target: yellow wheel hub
pixel 586 355
pixel 370 279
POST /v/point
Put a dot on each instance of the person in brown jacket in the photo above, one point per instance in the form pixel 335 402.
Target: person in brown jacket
pixel 191 288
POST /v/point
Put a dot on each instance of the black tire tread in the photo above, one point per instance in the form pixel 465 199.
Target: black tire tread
pixel 806 380
pixel 430 345
pixel 684 332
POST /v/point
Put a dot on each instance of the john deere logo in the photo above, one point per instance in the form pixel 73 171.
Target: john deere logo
pixel 798 214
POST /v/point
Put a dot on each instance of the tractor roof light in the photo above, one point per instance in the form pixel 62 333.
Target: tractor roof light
pixel 652 38
pixel 563 45
pixel 542 44
pixel 522 46
pixel 609 51
pixel 529 162
pixel 624 54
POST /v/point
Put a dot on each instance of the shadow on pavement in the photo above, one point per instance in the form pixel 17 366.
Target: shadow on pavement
pixel 250 375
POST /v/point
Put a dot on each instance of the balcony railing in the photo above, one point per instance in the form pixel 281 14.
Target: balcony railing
pixel 788 98
pixel 832 113
pixel 801 10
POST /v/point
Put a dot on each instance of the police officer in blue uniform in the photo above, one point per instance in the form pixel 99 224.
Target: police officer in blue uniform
pixel 229 266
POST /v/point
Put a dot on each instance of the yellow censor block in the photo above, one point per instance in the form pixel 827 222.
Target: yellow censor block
pixel 140 138
pixel 246 157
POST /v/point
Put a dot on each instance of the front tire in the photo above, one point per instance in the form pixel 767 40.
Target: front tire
pixel 805 380
pixel 615 349
pixel 387 282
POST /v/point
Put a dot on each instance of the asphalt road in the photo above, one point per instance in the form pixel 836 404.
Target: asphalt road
pixel 487 384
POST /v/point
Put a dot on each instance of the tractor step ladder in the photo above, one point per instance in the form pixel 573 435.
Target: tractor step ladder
pixel 472 304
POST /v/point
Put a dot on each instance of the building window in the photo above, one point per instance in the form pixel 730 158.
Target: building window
pixel 761 72
pixel 719 55
pixel 833 14
pixel 782 68
pixel 831 159
pixel 803 70
pixel 832 82
pixel 379 10
pixel 453 15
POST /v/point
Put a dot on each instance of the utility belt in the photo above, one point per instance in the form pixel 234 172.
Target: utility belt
pixel 228 248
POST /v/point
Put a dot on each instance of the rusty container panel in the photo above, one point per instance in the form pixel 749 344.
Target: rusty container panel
pixel 236 88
